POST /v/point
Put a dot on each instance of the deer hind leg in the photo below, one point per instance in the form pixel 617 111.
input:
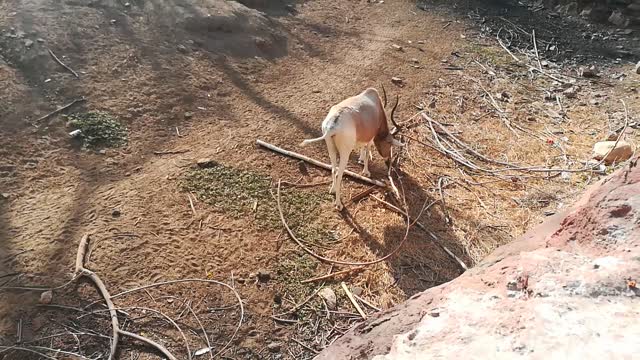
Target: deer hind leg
pixel 333 155
pixel 344 150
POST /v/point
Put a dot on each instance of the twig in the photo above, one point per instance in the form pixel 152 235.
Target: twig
pixel 284 320
pixel 170 152
pixel 332 275
pixel 447 218
pixel 65 107
pixel 318 163
pixel 322 258
pixel 506 49
pixel 353 300
pixel 463 266
pixel 197 280
pixel 154 344
pixel 191 204
pixel 305 346
pixel 535 47
pixel 367 303
pixel 204 332
pixel 166 317
pixel 63 64
pixel 300 305
pixel 80 270
pixel 361 195
pixel 19 348
pixel 307 185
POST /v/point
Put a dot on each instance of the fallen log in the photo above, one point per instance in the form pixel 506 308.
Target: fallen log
pixel 319 164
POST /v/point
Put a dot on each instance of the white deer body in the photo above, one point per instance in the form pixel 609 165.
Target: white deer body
pixel 356 122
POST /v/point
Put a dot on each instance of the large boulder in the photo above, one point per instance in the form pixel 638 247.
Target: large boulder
pixel 566 289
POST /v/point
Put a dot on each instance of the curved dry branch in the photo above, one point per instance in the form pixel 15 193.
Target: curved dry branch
pixel 332 261
pixel 197 280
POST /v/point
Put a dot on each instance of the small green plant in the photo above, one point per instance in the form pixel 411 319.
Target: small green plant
pixel 99 129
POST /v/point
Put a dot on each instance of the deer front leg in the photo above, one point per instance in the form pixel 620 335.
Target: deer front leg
pixel 365 171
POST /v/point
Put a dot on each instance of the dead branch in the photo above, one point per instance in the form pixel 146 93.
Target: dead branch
pixel 300 305
pixel 332 261
pixel 305 346
pixel 204 332
pixel 307 185
pixel 367 303
pixel 154 344
pixel 361 195
pixel 318 163
pixel 170 152
pixel 203 281
pixel 535 47
pixel 61 109
pixel 435 239
pixel 63 64
pixel 353 300
pixel 80 270
pixel 332 275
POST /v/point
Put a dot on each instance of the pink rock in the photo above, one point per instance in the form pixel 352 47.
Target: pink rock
pixel 566 289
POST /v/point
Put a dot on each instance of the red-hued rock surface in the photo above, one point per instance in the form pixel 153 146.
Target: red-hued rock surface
pixel 563 290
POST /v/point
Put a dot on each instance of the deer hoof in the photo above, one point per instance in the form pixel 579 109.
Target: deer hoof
pixel 339 206
pixel 366 174
pixel 332 190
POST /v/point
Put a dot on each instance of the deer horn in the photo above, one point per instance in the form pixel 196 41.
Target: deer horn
pixel 393 121
pixel 384 95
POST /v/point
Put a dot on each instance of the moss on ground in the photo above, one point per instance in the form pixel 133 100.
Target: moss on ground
pixel 99 129
pixel 245 194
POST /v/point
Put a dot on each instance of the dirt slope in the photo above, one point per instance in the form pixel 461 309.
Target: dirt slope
pixel 208 78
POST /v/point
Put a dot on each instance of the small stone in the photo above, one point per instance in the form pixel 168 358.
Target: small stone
pixel 357 291
pixel 396 80
pixel 40 40
pixel 397 47
pixel 589 72
pixel 4 196
pixel 621 152
pixel 414 60
pixel 274 347
pixel 183 49
pixel 127 4
pixel 46 297
pixel 102 152
pixel 75 133
pixel 116 213
pixel 329 297
pixel 112 21
pixel 264 276
pixel 207 163
pixel 188 115
pixel 638 68
pixel 503 96
pixel 571 92
pixel 28 43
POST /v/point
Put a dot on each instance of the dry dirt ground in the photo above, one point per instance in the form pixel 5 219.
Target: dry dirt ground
pixel 206 79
